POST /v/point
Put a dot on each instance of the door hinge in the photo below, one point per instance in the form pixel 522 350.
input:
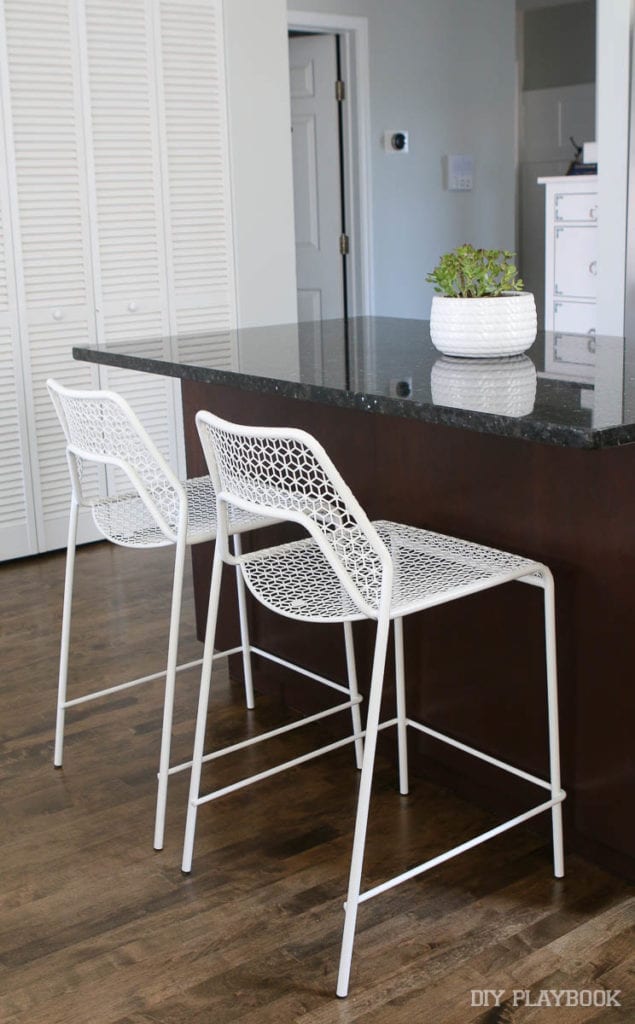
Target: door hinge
pixel 344 245
pixel 340 90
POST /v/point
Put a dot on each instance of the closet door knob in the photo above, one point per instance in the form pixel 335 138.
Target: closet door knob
pixel 133 307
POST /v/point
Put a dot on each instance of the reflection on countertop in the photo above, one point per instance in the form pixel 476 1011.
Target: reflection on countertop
pixel 572 390
pixel 505 386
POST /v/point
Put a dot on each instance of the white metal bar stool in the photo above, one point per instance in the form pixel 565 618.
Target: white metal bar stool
pixel 346 569
pixel 100 426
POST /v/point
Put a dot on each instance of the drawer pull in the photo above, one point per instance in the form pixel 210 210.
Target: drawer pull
pixel 593 268
pixel 57 314
pixel 133 307
pixel 593 213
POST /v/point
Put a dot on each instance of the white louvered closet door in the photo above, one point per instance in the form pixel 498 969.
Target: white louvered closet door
pixel 17 515
pixel 54 286
pixel 196 172
pixel 114 224
pixel 124 179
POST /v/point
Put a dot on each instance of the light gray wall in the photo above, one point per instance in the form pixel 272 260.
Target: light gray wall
pixel 559 45
pixel 445 71
pixel 260 165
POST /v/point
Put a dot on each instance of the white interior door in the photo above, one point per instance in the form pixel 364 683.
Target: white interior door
pixel 316 176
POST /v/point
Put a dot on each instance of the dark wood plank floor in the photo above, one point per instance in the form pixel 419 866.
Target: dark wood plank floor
pixel 97 927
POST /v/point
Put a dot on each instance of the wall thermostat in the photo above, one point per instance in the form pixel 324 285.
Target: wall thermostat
pixel 396 141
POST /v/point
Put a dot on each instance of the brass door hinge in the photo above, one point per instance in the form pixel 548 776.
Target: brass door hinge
pixel 340 91
pixel 344 245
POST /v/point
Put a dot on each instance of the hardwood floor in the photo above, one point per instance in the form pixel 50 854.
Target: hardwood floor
pixel 97 928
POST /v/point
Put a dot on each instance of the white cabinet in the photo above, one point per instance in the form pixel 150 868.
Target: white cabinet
pixel 113 222
pixel 571 213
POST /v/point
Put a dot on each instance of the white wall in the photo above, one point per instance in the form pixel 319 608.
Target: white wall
pixel 612 125
pixel 257 72
pixel 444 70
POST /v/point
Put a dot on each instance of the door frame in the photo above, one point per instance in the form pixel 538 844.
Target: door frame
pixel 355 65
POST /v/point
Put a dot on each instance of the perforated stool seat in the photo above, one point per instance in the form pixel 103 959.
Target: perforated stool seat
pixel 125 519
pixel 347 569
pixel 296 580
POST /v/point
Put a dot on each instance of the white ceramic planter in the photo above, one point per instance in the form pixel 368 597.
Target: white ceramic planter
pixel 505 386
pixel 501 326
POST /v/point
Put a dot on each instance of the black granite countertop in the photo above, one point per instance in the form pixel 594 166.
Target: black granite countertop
pixel 571 390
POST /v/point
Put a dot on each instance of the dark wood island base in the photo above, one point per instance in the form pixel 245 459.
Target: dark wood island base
pixel 475 668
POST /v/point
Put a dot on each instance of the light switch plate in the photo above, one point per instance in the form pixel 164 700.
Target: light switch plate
pixel 460 172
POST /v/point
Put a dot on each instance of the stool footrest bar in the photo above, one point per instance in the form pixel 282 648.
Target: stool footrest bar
pixel 266 736
pixel 274 771
pixel 479 753
pixel 144 679
pixel 298 668
pixel 127 686
pixel 462 848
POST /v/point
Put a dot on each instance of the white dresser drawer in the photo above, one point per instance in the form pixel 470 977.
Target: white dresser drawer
pixel 571 252
pixel 575 262
pixel 582 207
pixel 571 356
pixel 574 317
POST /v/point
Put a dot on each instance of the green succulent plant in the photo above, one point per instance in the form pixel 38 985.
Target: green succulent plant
pixel 471 273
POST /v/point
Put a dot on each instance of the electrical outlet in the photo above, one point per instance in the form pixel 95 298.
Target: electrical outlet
pixel 401 388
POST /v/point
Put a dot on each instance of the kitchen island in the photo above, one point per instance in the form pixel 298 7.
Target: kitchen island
pixel 534 454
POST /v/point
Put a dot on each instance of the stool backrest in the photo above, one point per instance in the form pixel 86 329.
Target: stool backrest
pixel 100 426
pixel 286 474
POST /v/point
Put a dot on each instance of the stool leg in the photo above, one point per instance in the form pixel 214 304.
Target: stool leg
pixel 170 684
pixel 66 633
pixel 363 805
pixel 400 692
pixel 201 716
pixel 552 705
pixel 351 671
pixel 244 627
